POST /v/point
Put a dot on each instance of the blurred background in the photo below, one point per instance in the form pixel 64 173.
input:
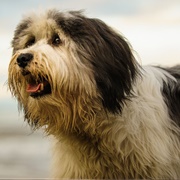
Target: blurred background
pixel 151 26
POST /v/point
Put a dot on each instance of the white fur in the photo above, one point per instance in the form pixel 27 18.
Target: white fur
pixel 128 142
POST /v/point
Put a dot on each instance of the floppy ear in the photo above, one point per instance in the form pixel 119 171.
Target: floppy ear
pixel 110 56
pixel 112 60
pixel 19 32
pixel 114 67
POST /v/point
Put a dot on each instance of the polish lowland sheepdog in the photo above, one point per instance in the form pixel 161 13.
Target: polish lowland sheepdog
pixel 111 118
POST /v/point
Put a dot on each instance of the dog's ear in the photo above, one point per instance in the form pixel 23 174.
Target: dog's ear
pixel 113 63
pixel 110 56
pixel 114 67
pixel 19 32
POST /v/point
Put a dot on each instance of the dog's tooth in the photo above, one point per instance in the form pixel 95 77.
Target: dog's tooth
pixel 42 87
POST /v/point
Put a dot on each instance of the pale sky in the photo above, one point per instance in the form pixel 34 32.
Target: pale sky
pixel 151 26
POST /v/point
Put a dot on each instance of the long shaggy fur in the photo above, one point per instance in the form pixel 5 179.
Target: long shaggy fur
pixel 77 79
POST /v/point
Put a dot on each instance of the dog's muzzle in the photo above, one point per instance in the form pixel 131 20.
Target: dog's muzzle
pixel 38 85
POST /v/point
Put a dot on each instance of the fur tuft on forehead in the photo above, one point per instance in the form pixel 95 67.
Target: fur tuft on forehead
pixel 37 24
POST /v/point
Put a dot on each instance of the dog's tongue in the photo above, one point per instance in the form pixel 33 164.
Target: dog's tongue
pixel 33 88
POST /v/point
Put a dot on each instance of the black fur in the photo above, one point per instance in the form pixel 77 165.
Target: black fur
pixel 109 54
pixel 171 93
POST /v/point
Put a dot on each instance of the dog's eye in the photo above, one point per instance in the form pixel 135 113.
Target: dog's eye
pixel 56 40
pixel 30 42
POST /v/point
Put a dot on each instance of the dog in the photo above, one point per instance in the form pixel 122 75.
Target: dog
pixel 110 117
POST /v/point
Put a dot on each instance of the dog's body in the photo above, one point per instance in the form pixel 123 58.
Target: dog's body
pixel 78 79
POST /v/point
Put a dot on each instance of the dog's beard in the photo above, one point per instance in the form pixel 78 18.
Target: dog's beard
pixel 54 90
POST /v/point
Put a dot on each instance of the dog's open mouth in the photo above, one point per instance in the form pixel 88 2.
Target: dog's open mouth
pixel 38 87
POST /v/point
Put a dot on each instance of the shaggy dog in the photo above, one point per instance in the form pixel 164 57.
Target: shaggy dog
pixel 111 118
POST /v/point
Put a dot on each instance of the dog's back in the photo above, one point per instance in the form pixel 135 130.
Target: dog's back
pixel 171 93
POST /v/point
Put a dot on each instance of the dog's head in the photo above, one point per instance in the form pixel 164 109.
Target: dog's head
pixel 66 64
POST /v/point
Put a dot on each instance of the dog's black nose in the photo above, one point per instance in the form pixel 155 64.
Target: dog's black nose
pixel 24 59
